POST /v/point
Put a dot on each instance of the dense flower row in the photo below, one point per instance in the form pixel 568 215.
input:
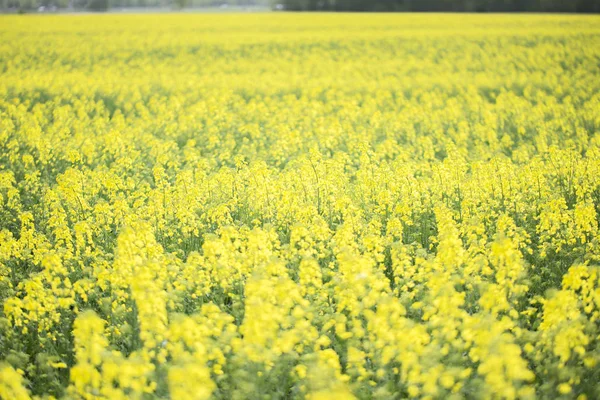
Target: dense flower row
pixel 317 206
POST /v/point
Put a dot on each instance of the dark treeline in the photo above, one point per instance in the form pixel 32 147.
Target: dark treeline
pixel 584 6
pixel 581 6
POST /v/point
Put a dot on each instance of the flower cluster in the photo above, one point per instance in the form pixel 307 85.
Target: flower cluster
pixel 300 206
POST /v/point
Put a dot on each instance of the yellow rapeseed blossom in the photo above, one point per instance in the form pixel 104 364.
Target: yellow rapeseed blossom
pixel 11 384
pixel 278 205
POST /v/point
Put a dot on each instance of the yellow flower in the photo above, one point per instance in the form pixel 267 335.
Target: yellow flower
pixel 564 388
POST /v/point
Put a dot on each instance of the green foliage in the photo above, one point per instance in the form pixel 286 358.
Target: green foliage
pixel 181 3
pixel 98 5
pixel 444 5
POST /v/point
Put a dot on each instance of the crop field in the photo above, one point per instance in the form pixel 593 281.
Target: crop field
pixel 315 206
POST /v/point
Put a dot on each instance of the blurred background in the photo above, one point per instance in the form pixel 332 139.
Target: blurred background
pixel 49 6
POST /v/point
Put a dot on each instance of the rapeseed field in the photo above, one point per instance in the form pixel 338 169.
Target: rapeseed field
pixel 317 206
